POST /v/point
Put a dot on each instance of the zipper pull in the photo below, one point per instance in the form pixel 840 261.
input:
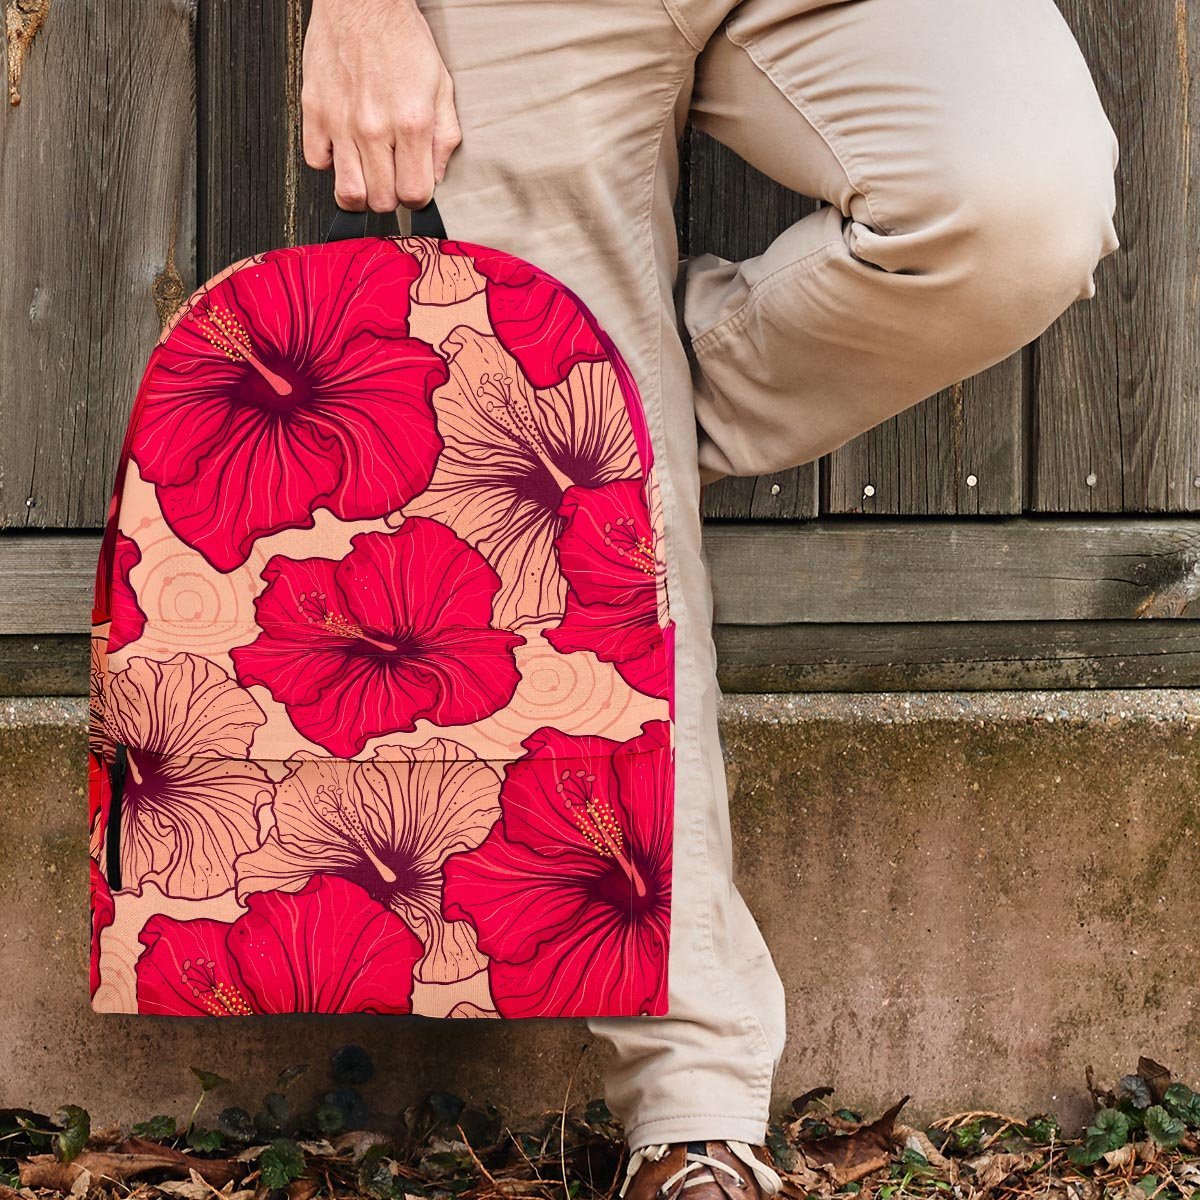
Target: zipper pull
pixel 117 770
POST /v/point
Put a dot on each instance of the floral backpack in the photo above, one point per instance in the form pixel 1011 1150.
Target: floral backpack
pixel 381 684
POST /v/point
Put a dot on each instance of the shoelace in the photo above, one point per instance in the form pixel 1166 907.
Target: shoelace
pixel 699 1168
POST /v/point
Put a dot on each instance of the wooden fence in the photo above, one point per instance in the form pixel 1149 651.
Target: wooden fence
pixel 1015 530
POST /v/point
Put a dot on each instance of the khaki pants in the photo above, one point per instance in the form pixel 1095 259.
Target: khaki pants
pixel 967 168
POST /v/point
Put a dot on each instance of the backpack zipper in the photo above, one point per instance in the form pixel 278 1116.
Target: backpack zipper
pixel 112 830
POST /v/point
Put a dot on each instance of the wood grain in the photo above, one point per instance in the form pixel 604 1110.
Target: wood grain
pixel 735 212
pixel 959 453
pixel 1116 409
pixel 836 571
pixel 958 656
pixel 999 570
pixel 97 200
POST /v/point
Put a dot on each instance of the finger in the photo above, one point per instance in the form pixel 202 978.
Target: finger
pixel 414 163
pixel 318 148
pixel 379 173
pixel 447 134
pixel 349 187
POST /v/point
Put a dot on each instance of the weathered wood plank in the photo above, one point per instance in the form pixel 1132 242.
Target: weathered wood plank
pixel 1117 400
pixel 826 571
pixel 257 193
pixel 1014 569
pixel 959 453
pixel 958 656
pixel 734 211
pixel 44 666
pixel 97 205
pixel 951 656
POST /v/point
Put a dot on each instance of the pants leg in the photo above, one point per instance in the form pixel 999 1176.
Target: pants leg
pixel 968 169
pixel 570 115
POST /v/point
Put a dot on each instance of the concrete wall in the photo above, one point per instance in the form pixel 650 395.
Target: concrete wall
pixel 970 897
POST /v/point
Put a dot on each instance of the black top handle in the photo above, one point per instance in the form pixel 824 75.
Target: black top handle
pixel 426 222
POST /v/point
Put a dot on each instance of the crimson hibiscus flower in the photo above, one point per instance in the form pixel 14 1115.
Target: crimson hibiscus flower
pixel 288 386
pixel 103 911
pixel 570 893
pixel 326 948
pixel 606 553
pixel 396 632
pixel 128 620
pixel 539 322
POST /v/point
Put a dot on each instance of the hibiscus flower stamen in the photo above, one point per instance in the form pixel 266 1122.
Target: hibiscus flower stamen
pixel 312 608
pixel 219 999
pixel 594 817
pixel 331 805
pixel 628 543
pixel 511 409
pixel 231 338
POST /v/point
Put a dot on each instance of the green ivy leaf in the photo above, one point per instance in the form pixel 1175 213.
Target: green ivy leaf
pixel 352 1065
pixel 330 1119
pixel 209 1080
pixel 236 1125
pixel 205 1141
pixel 1043 1129
pixel 375 1176
pixel 280 1163
pixel 290 1073
pixel 1165 1129
pixel 1180 1101
pixel 157 1129
pixel 1108 1131
pixel 1136 1090
pixel 74 1126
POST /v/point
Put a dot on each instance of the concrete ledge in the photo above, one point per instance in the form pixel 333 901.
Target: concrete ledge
pixel 970 896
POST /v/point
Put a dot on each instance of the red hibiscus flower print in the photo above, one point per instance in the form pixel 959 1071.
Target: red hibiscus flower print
pixel 291 385
pixel 511 453
pixel 396 632
pixel 327 948
pixel 570 892
pixel 388 826
pixel 606 552
pixel 539 322
pixel 103 911
pixel 128 620
pixel 189 796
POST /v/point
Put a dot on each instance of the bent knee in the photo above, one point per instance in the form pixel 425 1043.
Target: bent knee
pixel 1012 230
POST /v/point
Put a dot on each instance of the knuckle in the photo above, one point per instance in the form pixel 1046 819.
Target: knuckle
pixel 413 121
pixel 372 127
pixel 413 196
pixel 384 202
pixel 350 195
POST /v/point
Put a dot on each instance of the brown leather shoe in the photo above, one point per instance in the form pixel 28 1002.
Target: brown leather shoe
pixel 701 1171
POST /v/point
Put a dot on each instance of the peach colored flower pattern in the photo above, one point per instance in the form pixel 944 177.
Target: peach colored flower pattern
pixel 188 805
pixel 511 453
pixel 388 826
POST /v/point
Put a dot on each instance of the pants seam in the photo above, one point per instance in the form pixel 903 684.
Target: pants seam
pixel 764 287
pixel 689 731
pixel 844 157
pixel 683 24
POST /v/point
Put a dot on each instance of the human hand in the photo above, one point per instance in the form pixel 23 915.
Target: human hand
pixel 378 103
